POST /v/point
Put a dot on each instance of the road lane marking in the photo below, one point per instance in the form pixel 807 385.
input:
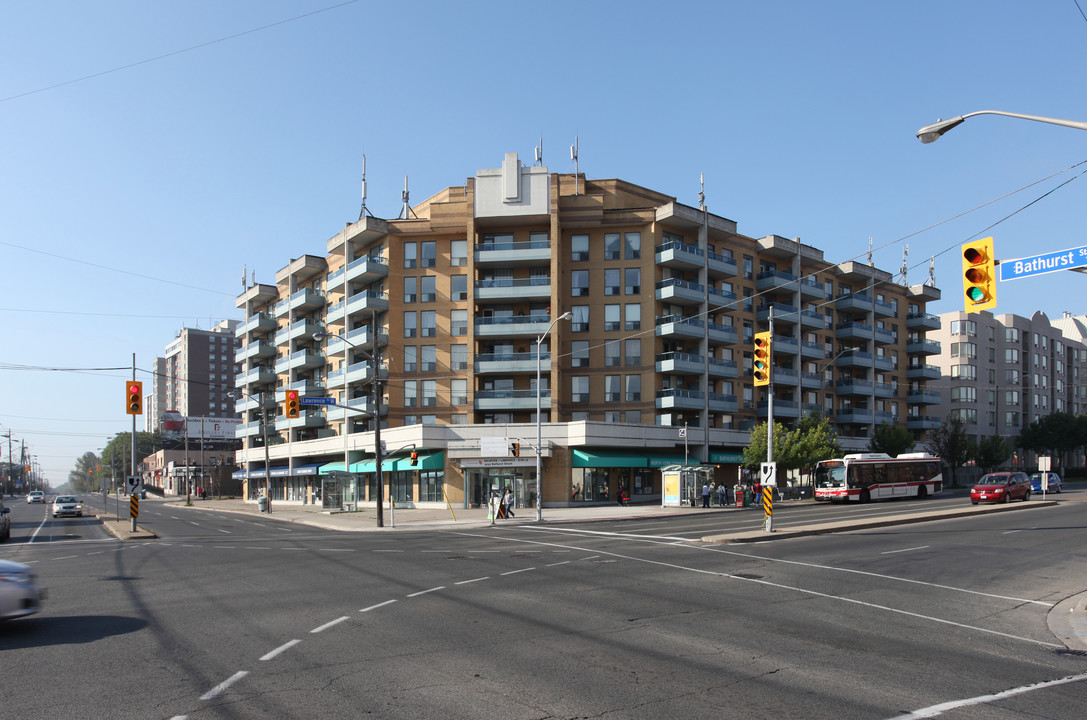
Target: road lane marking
pixel 514 572
pixel 892 552
pixel 281 649
pixel 465 582
pixel 937 710
pixel 564 562
pixel 218 689
pixel 327 625
pixel 424 592
pixel 1009 532
pixel 375 607
pixel 224 531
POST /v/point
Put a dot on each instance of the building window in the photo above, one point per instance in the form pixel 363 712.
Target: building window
pixel 458 253
pixel 1011 335
pixel 458 322
pixel 1011 397
pixel 612 247
pixel 968 415
pixel 748 268
pixel 633 319
pixel 410 258
pixel 612 416
pixel 458 419
pixel 964 349
pixel 964 394
pixel 458 392
pixel 964 327
pixel 579 283
pixel 430 393
pixel 411 355
pixel 411 395
pixel 579 353
pixel 635 417
pixel 410 326
pixel 633 278
pixel 633 246
pixel 579 319
pixel 429 358
pixel 633 388
pixel 411 289
pixel 1011 419
pixel 430 324
pixel 579 248
pixel 458 357
pixel 429 290
pixel 966 372
pixel 611 281
pixel 612 350
pixel 612 388
pixel 633 352
pixel 1011 355
pixel 611 318
pixel 458 287
pixel 430 254
pixel 579 388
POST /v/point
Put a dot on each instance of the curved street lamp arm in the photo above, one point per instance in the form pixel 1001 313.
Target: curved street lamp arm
pixel 931 133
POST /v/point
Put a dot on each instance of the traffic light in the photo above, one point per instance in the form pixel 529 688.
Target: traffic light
pixel 134 397
pixel 414 458
pixel 979 275
pixel 292 403
pixel 515 448
pixel 761 361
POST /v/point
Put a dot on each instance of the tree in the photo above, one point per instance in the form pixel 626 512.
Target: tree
pixel 83 478
pixel 801 447
pixel 949 442
pixel 891 439
pixel 991 452
pixel 116 456
pixel 1054 434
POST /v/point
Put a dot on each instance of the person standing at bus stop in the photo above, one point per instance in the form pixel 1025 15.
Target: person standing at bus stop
pixel 705 495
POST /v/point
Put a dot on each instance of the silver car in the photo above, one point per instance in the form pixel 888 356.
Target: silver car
pixel 67 505
pixel 20 593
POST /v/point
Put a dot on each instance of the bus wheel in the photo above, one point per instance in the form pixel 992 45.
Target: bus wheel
pixel 922 492
pixel 866 496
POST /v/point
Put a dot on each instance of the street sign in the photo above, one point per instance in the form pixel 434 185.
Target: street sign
pixel 316 401
pixel 1041 264
pixel 769 474
pixel 134 484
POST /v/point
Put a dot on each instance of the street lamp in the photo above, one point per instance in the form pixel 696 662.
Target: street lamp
pixel 319 336
pixel 931 133
pixel 827 364
pixel 539 413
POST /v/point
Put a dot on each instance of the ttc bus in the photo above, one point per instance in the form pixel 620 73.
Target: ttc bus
pixel 878 476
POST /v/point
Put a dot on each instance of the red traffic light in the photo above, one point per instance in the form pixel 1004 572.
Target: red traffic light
pixel 292 403
pixel 134 397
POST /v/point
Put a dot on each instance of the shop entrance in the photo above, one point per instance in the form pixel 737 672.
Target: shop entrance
pixel 481 483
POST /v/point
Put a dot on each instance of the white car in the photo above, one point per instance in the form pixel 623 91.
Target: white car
pixel 20 593
pixel 35 496
pixel 67 505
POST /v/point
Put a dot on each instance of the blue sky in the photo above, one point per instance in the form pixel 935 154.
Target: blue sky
pixel 131 200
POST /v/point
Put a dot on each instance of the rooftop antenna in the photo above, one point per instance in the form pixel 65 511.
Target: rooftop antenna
pixel 905 263
pixel 869 251
pixel 539 152
pixel 406 211
pixel 245 271
pixel 932 271
pixel 362 212
pixel 701 192
pixel 573 156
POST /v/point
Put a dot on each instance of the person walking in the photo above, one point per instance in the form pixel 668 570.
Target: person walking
pixel 508 500
pixel 722 498
pixel 705 495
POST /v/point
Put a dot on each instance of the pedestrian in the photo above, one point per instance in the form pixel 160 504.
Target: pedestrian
pixel 508 500
pixel 722 498
pixel 705 495
pixel 621 495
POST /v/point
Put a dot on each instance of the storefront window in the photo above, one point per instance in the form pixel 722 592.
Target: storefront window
pixel 430 486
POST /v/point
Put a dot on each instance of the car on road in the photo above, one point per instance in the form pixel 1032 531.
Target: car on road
pixel 1053 481
pixel 35 496
pixel 1001 487
pixel 20 593
pixel 67 505
pixel 5 522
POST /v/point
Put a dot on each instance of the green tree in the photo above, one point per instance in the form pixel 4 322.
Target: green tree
pixel 1055 434
pixel 949 442
pixel 991 452
pixel 891 439
pixel 814 439
pixel 83 479
pixel 116 456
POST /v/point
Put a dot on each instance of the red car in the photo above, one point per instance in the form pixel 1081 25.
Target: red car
pixel 1001 487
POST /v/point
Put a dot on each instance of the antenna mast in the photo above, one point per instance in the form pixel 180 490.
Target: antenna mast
pixel 701 192
pixel 573 156
pixel 539 152
pixel 362 212
pixel 905 264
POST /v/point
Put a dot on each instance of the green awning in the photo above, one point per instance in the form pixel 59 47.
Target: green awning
pixel 625 458
pixel 655 460
pixel 426 461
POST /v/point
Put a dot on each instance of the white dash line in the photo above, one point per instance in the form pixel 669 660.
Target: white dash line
pixel 1009 532
pixel 375 607
pixel 282 648
pixel 564 562
pixel 327 625
pixel 424 592
pixel 514 572
pixel 465 582
pixel 892 552
pixel 215 691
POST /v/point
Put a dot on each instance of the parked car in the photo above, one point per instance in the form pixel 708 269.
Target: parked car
pixel 1001 487
pixel 1054 482
pixel 20 593
pixel 35 496
pixel 67 505
pixel 5 522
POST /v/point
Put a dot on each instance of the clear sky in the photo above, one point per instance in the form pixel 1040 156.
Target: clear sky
pixel 149 151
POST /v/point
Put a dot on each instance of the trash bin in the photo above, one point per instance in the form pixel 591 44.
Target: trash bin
pixel 262 503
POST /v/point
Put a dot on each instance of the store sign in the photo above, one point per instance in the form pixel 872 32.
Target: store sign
pixel 488 462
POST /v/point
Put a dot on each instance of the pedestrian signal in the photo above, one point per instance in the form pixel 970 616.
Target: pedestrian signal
pixel 414 458
pixel 515 448
pixel 134 397
pixel 979 275
pixel 292 403
pixel 761 360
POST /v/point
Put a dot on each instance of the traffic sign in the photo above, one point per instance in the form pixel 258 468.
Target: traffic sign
pixel 134 484
pixel 769 474
pixel 1041 264
pixel 317 401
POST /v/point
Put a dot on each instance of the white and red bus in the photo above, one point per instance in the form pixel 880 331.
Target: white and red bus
pixel 878 476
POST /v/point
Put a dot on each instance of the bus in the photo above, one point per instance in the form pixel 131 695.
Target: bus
pixel 878 476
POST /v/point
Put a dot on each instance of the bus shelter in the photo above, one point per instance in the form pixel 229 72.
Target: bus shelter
pixel 682 484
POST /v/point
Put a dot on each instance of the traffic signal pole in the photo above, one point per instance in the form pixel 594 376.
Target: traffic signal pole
pixel 132 461
pixel 769 524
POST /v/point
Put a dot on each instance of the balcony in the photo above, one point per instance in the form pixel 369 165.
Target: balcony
pixel 854 301
pixel 775 280
pixel 537 288
pixel 365 270
pixel 853 331
pixel 922 347
pixel 785 345
pixel 305 388
pixel 884 390
pixel 923 397
pixel 886 363
pixel 304 300
pixel 510 399
pixel 360 337
pixel 309 418
pixel 360 407
pixel 883 336
pixel 884 308
pixel 302 329
pixel 782 408
pixel 813 350
pixel 259 324
pixel 782 313
pixel 856 358
pixel 247 403
pixel 853 386
pixel 676 399
pixel 677 326
pixel 854 416
pixel 359 372
pixel 721 403
pixel 523 362
pixel 258 349
pixel 301 360
pixel 720 265
pixel 811 318
pixel 925 321
pixel 512 326
pixel 676 363
pixel 681 292
pixel 811 381
pixel 812 289
pixel 722 334
pixel 513 253
pixel 679 256
pixel 723 368
pixel 922 422
pixel 255 376
pixel 923 372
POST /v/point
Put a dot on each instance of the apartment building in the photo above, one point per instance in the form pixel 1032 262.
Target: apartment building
pixel 999 373
pixel 625 316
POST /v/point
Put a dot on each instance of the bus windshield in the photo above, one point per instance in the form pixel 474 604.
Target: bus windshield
pixel 830 477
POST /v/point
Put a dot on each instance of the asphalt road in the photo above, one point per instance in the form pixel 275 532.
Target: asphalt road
pixel 231 616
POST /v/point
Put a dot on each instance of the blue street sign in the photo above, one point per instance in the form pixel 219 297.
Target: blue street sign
pixel 316 401
pixel 1040 264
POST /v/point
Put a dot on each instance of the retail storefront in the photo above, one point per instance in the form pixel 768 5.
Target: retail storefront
pixel 405 484
pixel 597 475
pixel 483 476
